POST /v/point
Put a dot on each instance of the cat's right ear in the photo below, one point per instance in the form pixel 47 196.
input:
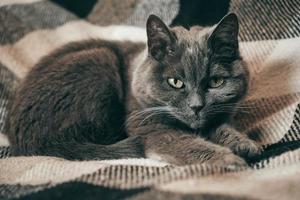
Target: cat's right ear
pixel 161 41
pixel 224 37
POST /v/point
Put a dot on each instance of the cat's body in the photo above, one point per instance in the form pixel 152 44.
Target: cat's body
pixel 71 104
pixel 81 100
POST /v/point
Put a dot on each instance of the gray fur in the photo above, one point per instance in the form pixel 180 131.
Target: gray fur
pixel 75 102
pixel 167 115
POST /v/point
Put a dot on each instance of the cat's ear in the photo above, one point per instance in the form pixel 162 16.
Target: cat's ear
pixel 161 41
pixel 224 38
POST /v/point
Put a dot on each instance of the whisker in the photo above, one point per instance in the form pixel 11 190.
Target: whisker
pixel 149 112
pixel 149 116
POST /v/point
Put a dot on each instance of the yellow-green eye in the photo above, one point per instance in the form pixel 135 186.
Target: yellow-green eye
pixel 216 82
pixel 175 83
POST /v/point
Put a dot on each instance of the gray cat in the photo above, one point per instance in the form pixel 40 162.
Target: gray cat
pixel 173 99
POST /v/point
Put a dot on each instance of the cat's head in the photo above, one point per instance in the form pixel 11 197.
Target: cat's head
pixel 195 76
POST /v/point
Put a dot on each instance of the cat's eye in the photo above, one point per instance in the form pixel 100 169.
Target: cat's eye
pixel 216 82
pixel 175 83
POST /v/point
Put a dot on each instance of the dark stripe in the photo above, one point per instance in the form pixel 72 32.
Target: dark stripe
pixel 200 12
pixel 4 152
pixel 77 6
pixel 14 191
pixel 21 19
pixel 267 19
pixel 8 82
pixel 69 190
pixel 106 12
pixel 275 150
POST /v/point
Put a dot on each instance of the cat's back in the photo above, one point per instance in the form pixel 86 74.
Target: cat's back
pixel 84 61
pixel 81 55
pixel 79 87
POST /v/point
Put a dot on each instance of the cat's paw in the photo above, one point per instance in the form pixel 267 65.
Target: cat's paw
pixel 246 148
pixel 237 142
pixel 228 159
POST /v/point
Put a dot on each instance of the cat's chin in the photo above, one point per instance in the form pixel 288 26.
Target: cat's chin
pixel 197 125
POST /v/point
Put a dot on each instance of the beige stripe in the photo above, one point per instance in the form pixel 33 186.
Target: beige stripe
pixel 40 170
pixel 272 129
pixel 255 53
pixel 21 56
pixel 281 182
pixel 165 175
pixel 10 2
pixel 279 73
pixel 255 111
pixel 136 161
pixel 3 140
pixel 271 184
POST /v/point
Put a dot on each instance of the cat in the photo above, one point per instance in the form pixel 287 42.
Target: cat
pixel 171 99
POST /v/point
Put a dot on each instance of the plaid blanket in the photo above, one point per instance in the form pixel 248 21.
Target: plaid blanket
pixel 270 44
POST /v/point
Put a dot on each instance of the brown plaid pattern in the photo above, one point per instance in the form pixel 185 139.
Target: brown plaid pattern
pixel 270 43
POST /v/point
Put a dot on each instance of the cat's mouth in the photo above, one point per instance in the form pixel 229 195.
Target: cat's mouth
pixel 195 122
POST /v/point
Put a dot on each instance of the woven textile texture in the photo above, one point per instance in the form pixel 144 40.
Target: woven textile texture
pixel 270 44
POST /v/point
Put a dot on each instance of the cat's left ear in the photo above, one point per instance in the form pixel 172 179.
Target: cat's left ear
pixel 225 35
pixel 161 41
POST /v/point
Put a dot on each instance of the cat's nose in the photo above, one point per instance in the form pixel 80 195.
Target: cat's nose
pixel 196 108
pixel 196 103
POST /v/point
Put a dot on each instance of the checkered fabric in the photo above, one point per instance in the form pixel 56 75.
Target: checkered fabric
pixel 270 44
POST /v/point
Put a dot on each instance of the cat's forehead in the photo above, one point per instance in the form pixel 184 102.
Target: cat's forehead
pixel 192 42
pixel 195 36
pixel 193 45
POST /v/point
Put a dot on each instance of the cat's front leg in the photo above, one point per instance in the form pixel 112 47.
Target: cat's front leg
pixel 239 143
pixel 180 148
